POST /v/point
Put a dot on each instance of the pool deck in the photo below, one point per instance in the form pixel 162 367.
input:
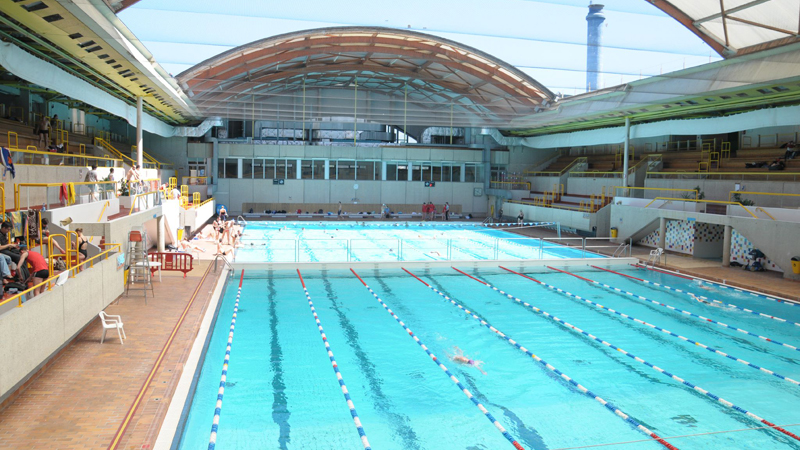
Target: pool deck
pixel 82 397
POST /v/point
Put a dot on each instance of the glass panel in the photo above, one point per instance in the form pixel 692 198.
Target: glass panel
pixel 247 168
pixel 221 168
pixel 269 169
pixel 402 172
pixel 291 169
pixel 306 171
pixel 258 169
pixel 436 172
pixel 391 172
pixel 319 169
pixel 345 170
pixel 469 173
pixel 456 172
pixel 280 171
pixel 231 168
pixel 377 173
pixel 446 172
pixel 365 170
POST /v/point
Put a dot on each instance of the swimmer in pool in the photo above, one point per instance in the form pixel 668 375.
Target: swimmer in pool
pixel 461 359
pixel 703 300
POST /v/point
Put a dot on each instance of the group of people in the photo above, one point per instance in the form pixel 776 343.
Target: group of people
pixel 222 232
pixel 429 211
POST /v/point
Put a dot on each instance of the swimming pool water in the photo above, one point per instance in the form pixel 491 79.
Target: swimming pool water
pixel 282 393
pixel 391 241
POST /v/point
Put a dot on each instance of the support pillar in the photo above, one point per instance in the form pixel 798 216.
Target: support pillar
pixel 662 233
pixel 625 155
pixel 726 247
pixel 139 143
pixel 161 231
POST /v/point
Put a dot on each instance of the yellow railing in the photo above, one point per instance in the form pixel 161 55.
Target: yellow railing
pixel 15 145
pixel 717 202
pixel 136 197
pixel 60 159
pixel 19 297
pixel 575 162
pixel 195 199
pixel 205 201
pixel 173 183
pixel 18 189
pixel 777 194
pixel 548 205
pixel 3 197
pixel 100 219
pixel 765 212
pixel 616 188
pixel 185 192
pixel 148 157
pixel 200 180
pixel 596 173
pixel 706 175
pixel 511 184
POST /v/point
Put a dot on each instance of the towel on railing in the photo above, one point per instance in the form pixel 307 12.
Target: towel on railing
pixel 63 193
pixel 70 193
pixel 8 163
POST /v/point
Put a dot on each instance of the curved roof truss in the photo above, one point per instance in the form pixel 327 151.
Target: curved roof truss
pixel 384 75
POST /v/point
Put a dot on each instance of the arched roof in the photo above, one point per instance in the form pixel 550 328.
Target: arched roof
pixel 390 76
pixel 737 27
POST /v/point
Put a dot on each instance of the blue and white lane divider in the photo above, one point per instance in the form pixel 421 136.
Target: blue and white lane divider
pixel 452 377
pixel 682 311
pixel 544 363
pixel 346 393
pixel 702 297
pixel 212 441
pixel 711 349
pixel 724 286
pixel 639 360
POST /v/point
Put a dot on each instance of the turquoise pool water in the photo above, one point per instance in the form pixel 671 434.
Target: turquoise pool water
pixel 282 393
pixel 391 241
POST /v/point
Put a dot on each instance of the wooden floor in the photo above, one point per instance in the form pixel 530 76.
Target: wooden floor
pixel 81 399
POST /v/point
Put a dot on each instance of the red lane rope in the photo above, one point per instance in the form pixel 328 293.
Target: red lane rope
pixel 568 273
pixel 663 271
pixel 418 279
pixel 608 270
pixel 479 281
pixel 521 274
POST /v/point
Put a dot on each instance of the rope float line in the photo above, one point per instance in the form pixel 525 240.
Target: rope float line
pixel 642 361
pixel 350 404
pixel 539 360
pixel 452 377
pixel 212 441
pixel 724 286
pixel 690 294
pixel 682 311
pixel 711 349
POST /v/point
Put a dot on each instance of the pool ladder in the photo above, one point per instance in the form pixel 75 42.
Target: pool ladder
pixel 224 260
pixel 620 251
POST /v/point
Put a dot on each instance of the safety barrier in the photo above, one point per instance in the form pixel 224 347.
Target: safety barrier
pixel 212 440
pixel 570 166
pixel 173 262
pixel 436 361
pixel 682 311
pixel 660 370
pixel 106 188
pixel 655 327
pixel 335 365
pixel 564 376
pixel 511 185
pixel 735 289
pixel 695 296
pixel 629 188
pixel 716 202
pixel 35 157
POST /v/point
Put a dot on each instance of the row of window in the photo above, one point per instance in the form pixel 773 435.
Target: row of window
pixel 314 169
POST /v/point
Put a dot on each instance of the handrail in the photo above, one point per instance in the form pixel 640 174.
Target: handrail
pixel 696 192
pixel 20 295
pixel 765 212
pixel 225 260
pixel 576 161
pixel 17 187
pixel 205 201
pixel 526 183
pixel 720 202
pixel 730 194
pixel 3 197
pixel 62 155
pixel 110 148
pixel 137 196
pixel 101 217
pixel 204 178
pixel 647 159
pixel 778 173
pixel 571 208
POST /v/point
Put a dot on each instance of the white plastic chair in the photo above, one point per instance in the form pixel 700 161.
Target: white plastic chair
pixel 112 322
pixel 655 256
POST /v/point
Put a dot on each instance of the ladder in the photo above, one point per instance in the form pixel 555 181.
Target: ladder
pixel 620 251
pixel 138 264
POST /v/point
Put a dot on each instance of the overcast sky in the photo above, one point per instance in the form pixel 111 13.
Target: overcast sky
pixel 545 39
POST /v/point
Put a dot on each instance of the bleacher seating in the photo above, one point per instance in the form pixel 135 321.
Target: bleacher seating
pixel 25 138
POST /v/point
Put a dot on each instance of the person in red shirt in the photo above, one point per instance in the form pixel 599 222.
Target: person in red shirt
pixel 38 266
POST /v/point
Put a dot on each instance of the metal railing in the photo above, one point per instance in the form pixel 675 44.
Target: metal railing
pixel 511 185
pixel 194 180
pixel 775 194
pixel 40 158
pixel 21 297
pixel 104 189
pixel 716 202
pixel 733 176
pixel 550 205
pixel 630 188
pixel 545 173
pixel 140 203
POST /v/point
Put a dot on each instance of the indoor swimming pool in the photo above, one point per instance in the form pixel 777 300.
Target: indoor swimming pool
pixel 394 241
pixel 574 357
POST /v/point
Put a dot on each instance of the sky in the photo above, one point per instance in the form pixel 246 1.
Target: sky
pixel 545 39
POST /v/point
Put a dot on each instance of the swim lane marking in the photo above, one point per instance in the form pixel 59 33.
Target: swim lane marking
pixel 711 349
pixel 549 367
pixel 212 440
pixel 638 359
pixel 695 296
pixel 450 375
pixel 339 377
pixel 682 311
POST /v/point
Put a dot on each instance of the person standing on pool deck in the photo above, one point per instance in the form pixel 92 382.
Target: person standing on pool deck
pixel 339 211
pixel 446 210
pixel 520 218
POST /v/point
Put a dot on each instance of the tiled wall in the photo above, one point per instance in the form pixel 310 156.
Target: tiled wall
pixel 708 232
pixel 680 237
pixel 740 247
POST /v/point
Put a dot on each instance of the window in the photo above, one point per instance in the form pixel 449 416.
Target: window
pixel 365 170
pixel 319 169
pixel 446 172
pixel 306 169
pixel 345 170
pixel 421 171
pixel 269 169
pixel 391 171
pixel 258 168
pixel 247 168
pixel 402 172
pixel 280 168
pixel 473 173
pixel 231 168
pixel 456 172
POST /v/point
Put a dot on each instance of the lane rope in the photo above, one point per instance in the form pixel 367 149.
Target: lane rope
pixel 725 286
pixel 212 440
pixel 549 367
pixel 695 296
pixel 436 361
pixel 640 360
pixel 682 311
pixel 655 327
pixel 339 377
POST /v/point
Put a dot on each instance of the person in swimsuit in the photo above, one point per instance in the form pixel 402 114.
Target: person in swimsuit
pixel 460 358
pixel 82 245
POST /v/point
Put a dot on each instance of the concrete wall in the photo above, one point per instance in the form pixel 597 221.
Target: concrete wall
pixel 568 219
pixel 30 335
pixel 589 186
pixel 194 218
pixel 720 189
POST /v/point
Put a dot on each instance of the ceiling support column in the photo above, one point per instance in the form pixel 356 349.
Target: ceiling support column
pixel 139 143
pixel 625 155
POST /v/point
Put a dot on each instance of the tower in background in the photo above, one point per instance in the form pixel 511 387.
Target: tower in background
pixel 594 41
